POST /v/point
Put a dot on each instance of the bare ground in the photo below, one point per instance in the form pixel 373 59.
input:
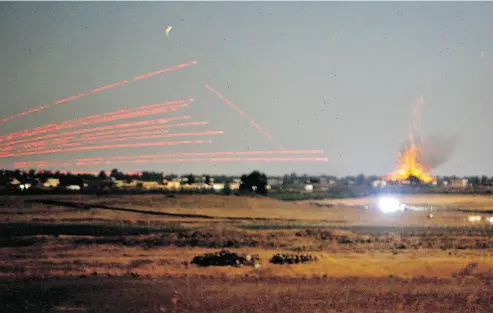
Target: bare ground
pixel 211 294
pixel 132 253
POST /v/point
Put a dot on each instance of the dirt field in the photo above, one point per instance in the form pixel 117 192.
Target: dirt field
pixel 469 202
pixel 133 253
pixel 209 294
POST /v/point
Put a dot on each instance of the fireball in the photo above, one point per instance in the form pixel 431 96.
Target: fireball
pixel 410 165
pixel 410 160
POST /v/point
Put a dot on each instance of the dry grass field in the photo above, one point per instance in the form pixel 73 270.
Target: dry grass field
pixel 132 253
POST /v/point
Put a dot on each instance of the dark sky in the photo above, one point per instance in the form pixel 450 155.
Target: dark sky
pixel 341 77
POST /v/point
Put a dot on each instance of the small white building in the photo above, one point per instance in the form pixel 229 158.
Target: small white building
pixel 379 183
pixel 218 186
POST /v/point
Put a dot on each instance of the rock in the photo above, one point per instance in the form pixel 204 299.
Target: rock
pixel 292 258
pixel 225 258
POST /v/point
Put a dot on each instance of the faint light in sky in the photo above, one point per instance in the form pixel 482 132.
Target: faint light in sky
pixel 168 29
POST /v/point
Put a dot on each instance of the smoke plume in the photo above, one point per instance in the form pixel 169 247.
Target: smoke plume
pixel 435 150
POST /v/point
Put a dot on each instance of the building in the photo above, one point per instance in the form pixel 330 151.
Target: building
pixel 274 182
pixel 174 184
pixel 235 185
pixel 379 183
pixel 218 186
pixel 458 183
pixel 51 183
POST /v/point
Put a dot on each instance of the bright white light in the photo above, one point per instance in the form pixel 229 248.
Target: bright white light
pixel 474 218
pixel 388 205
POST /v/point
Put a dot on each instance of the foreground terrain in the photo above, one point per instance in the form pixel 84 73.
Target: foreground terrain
pixel 215 294
pixel 133 253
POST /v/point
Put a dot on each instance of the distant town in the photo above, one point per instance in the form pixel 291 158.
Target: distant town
pixel 288 185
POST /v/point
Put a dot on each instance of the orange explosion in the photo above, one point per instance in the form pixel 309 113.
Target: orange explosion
pixel 410 162
pixel 409 165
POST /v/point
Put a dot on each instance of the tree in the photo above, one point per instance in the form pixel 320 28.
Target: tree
pixel 474 180
pixel 221 179
pixel 68 180
pixel 245 183
pixel 190 179
pixel 207 179
pixel 485 181
pixel 146 176
pixel 116 174
pixel 172 176
pixel 414 180
pixel 360 179
pixel 305 179
pixel 102 175
pixel 254 182
pixel 17 174
pixel 227 188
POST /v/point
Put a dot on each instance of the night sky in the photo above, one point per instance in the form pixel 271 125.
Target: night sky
pixel 340 77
